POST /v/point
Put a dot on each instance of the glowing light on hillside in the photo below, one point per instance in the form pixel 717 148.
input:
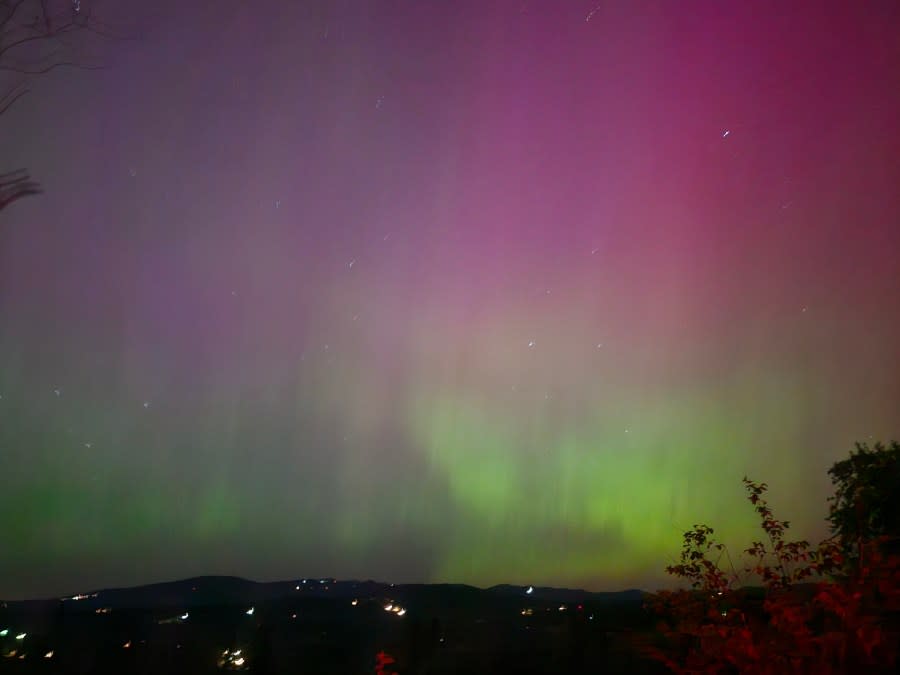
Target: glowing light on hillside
pixel 81 596
pixel 231 660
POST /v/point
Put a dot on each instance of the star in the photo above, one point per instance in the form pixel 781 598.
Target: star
pixel 352 263
pixel 88 445
pixel 57 392
pixel 726 133
pixel 146 404
pixel 531 344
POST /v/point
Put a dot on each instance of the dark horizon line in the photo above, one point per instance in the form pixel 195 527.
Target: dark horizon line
pixel 296 580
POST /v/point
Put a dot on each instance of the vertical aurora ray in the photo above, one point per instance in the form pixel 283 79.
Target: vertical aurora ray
pixel 471 294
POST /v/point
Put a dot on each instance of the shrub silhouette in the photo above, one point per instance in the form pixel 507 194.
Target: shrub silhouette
pixel 842 620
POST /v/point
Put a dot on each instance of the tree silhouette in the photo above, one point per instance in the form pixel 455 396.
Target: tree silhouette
pixel 866 501
pixel 37 37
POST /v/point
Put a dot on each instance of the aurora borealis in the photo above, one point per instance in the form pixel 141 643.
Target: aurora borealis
pixel 482 292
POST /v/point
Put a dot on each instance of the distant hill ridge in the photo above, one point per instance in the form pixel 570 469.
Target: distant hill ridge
pixel 228 590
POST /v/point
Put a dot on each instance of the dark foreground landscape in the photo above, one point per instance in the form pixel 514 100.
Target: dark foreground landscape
pixel 212 624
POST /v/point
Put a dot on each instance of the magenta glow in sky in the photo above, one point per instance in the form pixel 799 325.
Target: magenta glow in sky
pixel 470 292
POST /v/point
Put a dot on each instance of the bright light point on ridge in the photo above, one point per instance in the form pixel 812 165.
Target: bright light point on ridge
pixel 529 590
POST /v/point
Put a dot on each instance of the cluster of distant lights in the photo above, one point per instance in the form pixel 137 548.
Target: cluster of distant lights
pixel 528 611
pixel 81 596
pixel 230 659
pixel 320 582
pixel 181 618
pixel 20 639
pixel 391 607
pixel 233 659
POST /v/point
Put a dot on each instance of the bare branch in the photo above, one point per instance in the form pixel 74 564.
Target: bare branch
pixel 11 97
pixel 58 64
pixel 37 37
pixel 40 36
pixel 12 13
pixel 15 185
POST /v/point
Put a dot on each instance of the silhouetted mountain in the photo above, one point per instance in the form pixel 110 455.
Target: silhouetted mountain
pixel 205 624
pixel 226 590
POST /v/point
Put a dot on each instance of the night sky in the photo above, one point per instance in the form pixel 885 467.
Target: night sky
pixel 482 292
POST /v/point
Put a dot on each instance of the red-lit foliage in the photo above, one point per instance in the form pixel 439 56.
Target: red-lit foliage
pixel 846 622
pixel 383 659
